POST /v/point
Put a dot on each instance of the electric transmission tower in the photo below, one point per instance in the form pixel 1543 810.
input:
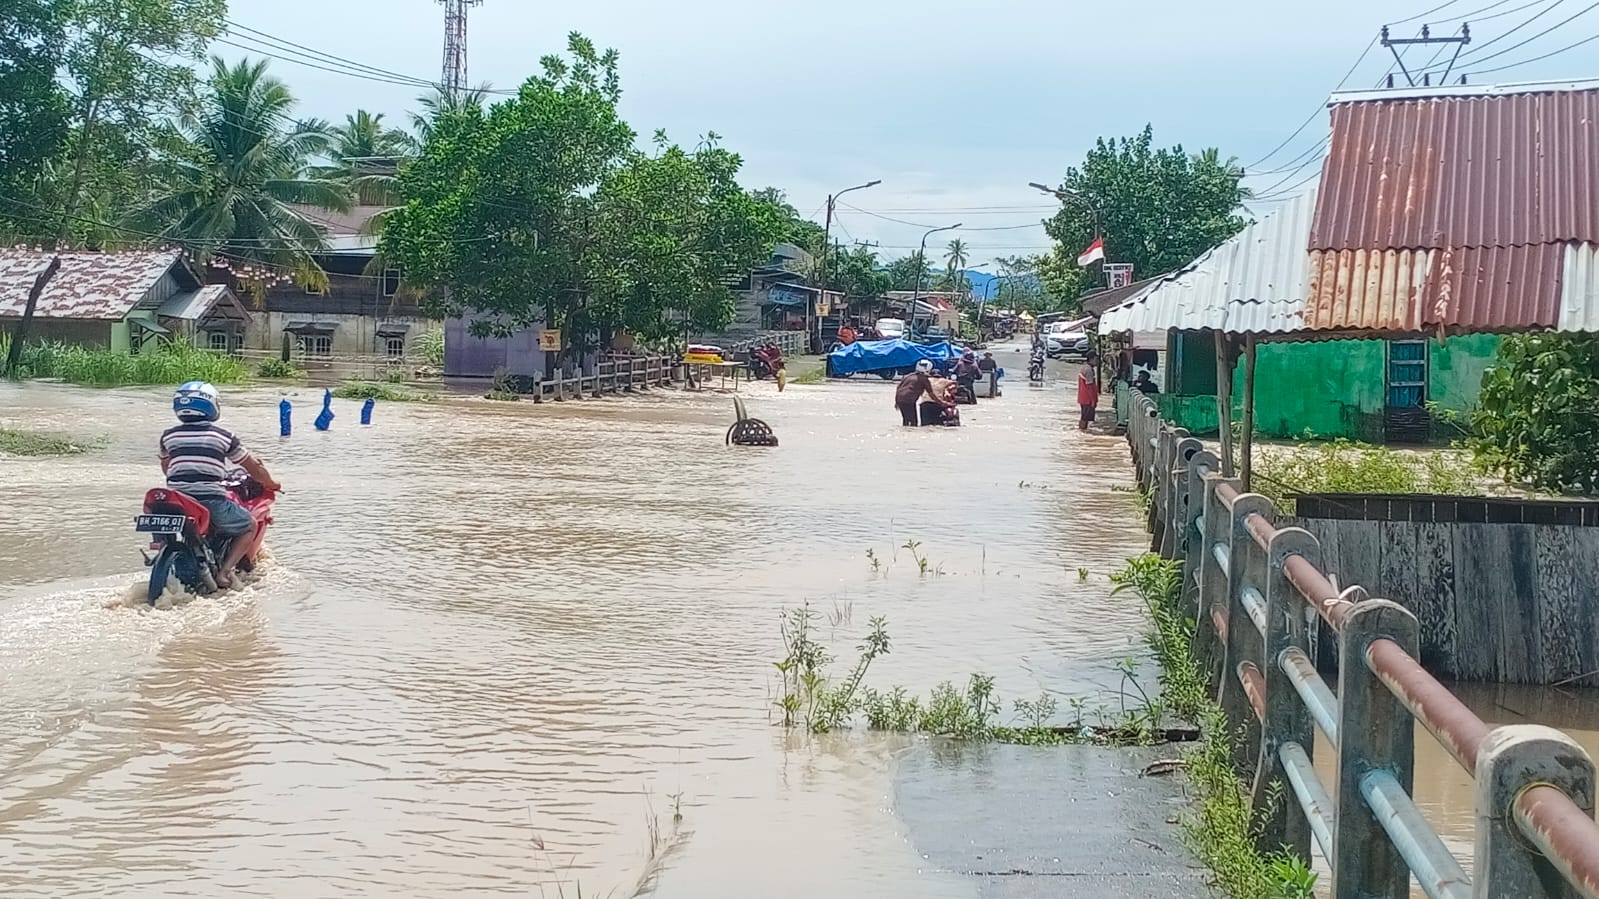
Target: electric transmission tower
pixel 454 80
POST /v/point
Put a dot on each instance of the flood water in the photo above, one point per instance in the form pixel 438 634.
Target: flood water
pixel 499 644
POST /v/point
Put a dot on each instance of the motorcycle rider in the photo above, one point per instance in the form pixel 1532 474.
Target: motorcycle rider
pixel 194 456
pixel 910 391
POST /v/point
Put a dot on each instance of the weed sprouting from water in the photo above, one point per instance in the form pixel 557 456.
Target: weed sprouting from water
pixel 924 566
pixel 842 615
pixel 871 556
pixel 1082 575
pixel 41 443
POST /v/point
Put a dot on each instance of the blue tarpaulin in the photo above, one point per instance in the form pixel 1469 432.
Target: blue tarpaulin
pixel 886 355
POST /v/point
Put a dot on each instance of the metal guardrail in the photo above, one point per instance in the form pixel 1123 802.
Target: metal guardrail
pixel 1253 590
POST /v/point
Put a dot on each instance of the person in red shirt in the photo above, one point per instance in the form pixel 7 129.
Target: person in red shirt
pixel 846 335
pixel 1088 390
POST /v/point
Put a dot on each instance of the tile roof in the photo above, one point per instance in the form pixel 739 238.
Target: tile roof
pixel 104 286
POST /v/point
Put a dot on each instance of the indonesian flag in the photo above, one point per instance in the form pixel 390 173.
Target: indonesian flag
pixel 1094 253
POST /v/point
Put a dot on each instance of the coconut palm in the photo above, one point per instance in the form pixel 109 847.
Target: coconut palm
pixel 441 104
pixel 238 166
pixel 356 145
pixel 955 256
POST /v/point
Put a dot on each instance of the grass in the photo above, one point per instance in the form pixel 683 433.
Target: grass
pixel 1223 832
pixel 40 443
pixel 172 363
pixel 1343 466
pixel 813 700
pixel 277 369
pixel 372 390
pixel 813 376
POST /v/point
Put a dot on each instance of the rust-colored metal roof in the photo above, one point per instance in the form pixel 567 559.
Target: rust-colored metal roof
pixel 1460 211
pixel 1491 171
pixel 103 286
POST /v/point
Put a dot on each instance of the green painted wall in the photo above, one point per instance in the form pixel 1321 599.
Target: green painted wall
pixel 119 337
pixel 1329 389
pixel 1455 374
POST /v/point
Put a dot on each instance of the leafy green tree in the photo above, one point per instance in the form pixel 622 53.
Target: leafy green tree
pixel 955 259
pixel 539 208
pixel 439 105
pixel 1538 413
pixel 795 229
pixel 1159 209
pixel 127 64
pixel 904 271
pixel 34 110
pixel 857 273
pixel 227 186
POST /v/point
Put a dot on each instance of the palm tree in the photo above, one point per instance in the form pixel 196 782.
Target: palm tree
pixel 441 105
pixel 240 164
pixel 355 144
pixel 955 261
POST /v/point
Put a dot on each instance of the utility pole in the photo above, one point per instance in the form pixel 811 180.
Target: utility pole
pixel 1396 46
pixel 921 269
pixel 821 268
pixel 21 335
pixel 453 80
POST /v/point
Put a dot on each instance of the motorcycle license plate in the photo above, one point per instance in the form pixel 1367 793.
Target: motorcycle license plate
pixel 159 524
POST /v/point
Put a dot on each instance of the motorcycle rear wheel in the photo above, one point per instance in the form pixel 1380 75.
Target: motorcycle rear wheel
pixel 174 560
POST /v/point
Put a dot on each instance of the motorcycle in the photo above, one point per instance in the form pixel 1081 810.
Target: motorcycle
pixel 1035 370
pixel 765 361
pixel 185 548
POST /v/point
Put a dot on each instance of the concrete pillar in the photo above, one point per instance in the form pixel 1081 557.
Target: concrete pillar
pixel 1511 759
pixel 1376 733
pixel 1244 644
pixel 1284 823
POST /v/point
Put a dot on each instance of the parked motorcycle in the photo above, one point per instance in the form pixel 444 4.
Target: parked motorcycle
pixel 1035 370
pixel 765 361
pixel 184 546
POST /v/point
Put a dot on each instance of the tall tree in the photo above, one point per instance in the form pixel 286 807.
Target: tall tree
pixel 127 63
pixel 1538 412
pixel 1159 209
pixel 242 161
pixel 353 148
pixel 955 259
pixel 795 228
pixel 904 272
pixel 438 105
pixel 856 273
pixel 34 110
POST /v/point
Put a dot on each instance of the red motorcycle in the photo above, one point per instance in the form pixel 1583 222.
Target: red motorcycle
pixel 182 540
pixel 766 360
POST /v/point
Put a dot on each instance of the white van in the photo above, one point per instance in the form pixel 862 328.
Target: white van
pixel 890 328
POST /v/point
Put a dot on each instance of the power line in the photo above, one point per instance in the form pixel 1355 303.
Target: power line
pixel 1475 55
pixel 274 39
pixel 1514 65
pixel 1319 107
pixel 1555 27
pixel 1423 15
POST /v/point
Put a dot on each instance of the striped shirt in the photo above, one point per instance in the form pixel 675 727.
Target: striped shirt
pixel 197 456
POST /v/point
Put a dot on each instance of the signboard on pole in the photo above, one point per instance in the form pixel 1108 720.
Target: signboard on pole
pixel 550 340
pixel 1118 274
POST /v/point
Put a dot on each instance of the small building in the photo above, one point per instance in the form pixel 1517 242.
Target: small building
pixel 362 312
pixel 120 301
pixel 1307 385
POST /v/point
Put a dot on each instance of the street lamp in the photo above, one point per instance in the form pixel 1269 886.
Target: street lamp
pixel 827 232
pixel 1065 193
pixel 921 268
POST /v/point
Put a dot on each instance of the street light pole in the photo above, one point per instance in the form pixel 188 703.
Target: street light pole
pixel 921 269
pixel 821 268
pixel 1063 194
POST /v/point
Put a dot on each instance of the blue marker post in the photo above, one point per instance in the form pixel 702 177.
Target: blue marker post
pixel 325 418
pixel 284 412
pixel 366 410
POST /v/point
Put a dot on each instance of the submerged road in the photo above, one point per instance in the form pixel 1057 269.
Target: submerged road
pixel 501 647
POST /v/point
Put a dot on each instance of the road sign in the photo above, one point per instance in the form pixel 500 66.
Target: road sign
pixel 550 340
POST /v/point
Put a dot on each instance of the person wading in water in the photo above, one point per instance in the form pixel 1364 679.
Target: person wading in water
pixel 910 391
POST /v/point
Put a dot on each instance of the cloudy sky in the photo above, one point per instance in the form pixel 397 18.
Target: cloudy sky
pixel 954 106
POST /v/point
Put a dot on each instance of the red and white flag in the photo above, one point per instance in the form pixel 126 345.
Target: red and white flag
pixel 1094 253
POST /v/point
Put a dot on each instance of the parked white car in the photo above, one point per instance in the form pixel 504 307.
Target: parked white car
pixel 1063 340
pixel 890 328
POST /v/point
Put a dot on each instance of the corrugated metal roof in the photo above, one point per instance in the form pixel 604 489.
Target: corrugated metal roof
pixel 1482 171
pixel 101 286
pixel 195 305
pixel 1462 289
pixel 1252 284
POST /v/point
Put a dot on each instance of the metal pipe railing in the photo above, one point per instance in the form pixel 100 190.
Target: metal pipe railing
pixel 1536 836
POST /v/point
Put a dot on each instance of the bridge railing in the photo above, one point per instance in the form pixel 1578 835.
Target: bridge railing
pixel 1253 590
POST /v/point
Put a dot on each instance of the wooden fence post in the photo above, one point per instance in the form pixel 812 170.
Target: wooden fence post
pixel 1376 733
pixel 1510 760
pixel 1287 719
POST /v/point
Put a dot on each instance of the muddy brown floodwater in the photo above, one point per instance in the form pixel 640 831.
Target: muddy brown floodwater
pixel 499 645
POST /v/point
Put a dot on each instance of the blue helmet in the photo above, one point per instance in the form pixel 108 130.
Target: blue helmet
pixel 197 401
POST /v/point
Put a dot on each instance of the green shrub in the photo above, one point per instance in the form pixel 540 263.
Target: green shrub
pixel 172 363
pixel 40 443
pixel 431 343
pixel 1342 466
pixel 362 390
pixel 278 369
pixel 1538 412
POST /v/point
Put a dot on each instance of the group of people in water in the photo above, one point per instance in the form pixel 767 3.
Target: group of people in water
pixel 923 398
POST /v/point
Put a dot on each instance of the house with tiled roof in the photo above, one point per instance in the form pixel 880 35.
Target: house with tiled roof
pixel 124 301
